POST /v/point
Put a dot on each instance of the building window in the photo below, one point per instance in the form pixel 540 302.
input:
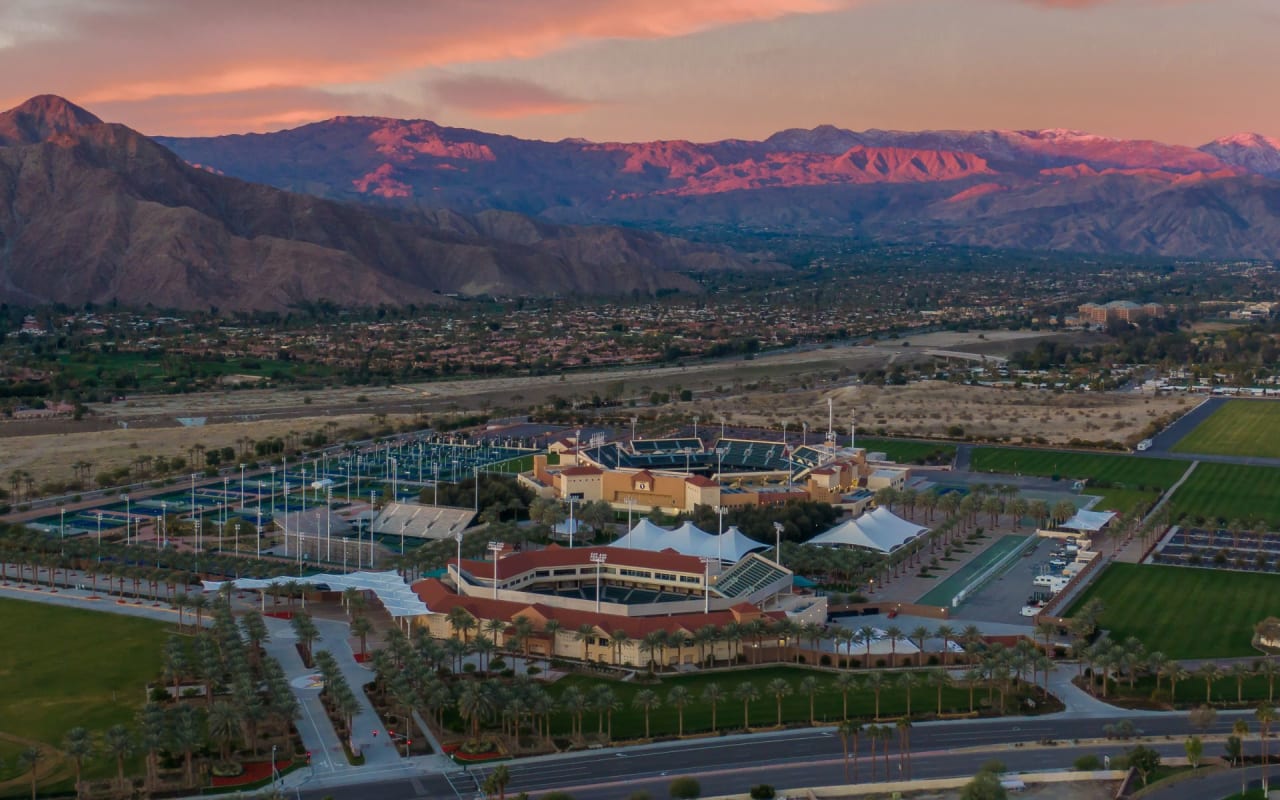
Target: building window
pixel 664 576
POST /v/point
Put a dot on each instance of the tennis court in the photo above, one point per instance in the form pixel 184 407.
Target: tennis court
pixel 942 594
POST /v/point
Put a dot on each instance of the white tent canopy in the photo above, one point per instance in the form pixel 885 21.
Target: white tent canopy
pixel 880 530
pixel 1090 521
pixel 390 589
pixel 689 540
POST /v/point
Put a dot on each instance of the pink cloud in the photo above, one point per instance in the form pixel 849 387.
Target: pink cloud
pixel 153 53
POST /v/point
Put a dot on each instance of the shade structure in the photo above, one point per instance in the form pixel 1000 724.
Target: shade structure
pixel 1089 521
pixel 880 530
pixel 690 540
pixel 390 589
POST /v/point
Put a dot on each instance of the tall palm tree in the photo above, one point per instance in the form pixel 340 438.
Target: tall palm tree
pixel 30 758
pixel 867 635
pixel 496 629
pixel 646 700
pixel 78 744
pixel 551 628
pixel 1208 672
pixel 779 688
pixel 904 745
pixel 846 682
pixel 908 681
pixel 894 634
pixel 809 686
pixel 474 704
pixel 119 744
pixel 604 701
pixel 876 682
pixel 940 679
pixel 849 732
pixel 461 621
pixel 618 639
pixel 714 695
pixel 746 692
pixel 1265 715
pixel 585 633
pixel 186 737
pixel 679 697
pixel 1240 671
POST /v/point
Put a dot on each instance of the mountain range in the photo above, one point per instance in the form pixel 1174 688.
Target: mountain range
pixel 1052 189
pixel 96 212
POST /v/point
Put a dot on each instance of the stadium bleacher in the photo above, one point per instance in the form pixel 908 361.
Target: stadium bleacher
pixel 747 576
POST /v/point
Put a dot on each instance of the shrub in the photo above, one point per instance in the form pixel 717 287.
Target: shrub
pixel 533 670
pixel 685 788
pixel 497 665
pixel 556 796
pixel 1088 763
pixel 762 791
pixel 640 795
pixel 825 660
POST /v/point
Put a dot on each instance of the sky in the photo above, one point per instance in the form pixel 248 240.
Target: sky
pixel 1180 71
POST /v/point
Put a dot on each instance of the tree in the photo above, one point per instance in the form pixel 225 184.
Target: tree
pixel 714 695
pixel 809 686
pixel 779 688
pixel 497 782
pixel 647 701
pixel 1195 749
pixel 679 697
pixel 984 786
pixel 585 633
pixel 1265 715
pixel 939 679
pixel 223 723
pixel 685 788
pixel 1208 672
pixel 120 745
pixel 474 703
pixel 876 682
pixel 846 682
pixel 746 692
pixel 30 758
pixel 362 627
pixel 849 732
pixel 79 745
pixel 1145 760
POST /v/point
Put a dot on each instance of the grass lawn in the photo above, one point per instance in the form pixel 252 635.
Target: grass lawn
pixel 513 465
pixel 1224 492
pixel 1184 612
pixel 910 452
pixel 1122 500
pixel 1237 428
pixel 1117 469
pixel 63 667
pixel 1191 691
pixel 628 722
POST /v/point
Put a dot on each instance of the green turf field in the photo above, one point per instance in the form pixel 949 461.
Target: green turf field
pixel 628 722
pixel 1237 428
pixel 905 451
pixel 942 594
pixel 1123 500
pixel 63 667
pixel 1224 492
pixel 1128 470
pixel 513 465
pixel 1184 612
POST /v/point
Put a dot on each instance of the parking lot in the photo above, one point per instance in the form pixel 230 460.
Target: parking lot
pixel 1002 599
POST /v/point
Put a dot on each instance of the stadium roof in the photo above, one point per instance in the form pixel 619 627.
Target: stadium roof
pixel 689 540
pixel 880 530
pixel 1091 521
pixel 419 521
pixel 554 556
pixel 390 589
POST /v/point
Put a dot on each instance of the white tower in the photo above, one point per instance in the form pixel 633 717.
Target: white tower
pixel 831 424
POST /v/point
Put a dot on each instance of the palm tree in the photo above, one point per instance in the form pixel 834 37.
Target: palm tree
pixel 713 694
pixel 908 681
pixel 1265 715
pixel 972 678
pixel 894 634
pixel 461 621
pixel 223 723
pixel 551 627
pixel 867 635
pixel 1208 672
pixel 746 692
pixel 496 628
pixel 120 745
pixel 619 639
pixel 79 745
pixel 876 682
pixel 585 633
pixel 604 701
pixel 652 643
pixel 679 697
pixel 497 782
pixel 474 703
pixel 809 686
pixel 904 744
pixel 576 703
pixel 646 700
pixel 1240 670
pixel 779 688
pixel 939 679
pixel 362 627
pixel 846 682
pixel 185 735
pixel 917 637
pixel 849 732
pixel 30 758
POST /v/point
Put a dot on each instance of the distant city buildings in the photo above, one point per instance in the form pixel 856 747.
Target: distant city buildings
pixel 1118 311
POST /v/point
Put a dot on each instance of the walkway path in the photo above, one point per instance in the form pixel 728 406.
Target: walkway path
pixel 1134 549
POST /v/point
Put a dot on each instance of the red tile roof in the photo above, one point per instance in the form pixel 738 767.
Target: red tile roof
pixel 572 471
pixel 698 480
pixel 440 599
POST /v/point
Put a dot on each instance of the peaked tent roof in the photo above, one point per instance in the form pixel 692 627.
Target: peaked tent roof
pixel 1089 520
pixel 690 540
pixel 880 530
pixel 390 589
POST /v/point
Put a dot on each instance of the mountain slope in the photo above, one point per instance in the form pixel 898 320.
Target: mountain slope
pixel 96 212
pixel 1056 189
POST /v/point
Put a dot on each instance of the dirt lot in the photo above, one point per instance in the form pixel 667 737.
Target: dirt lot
pixel 932 408
pixel 790 385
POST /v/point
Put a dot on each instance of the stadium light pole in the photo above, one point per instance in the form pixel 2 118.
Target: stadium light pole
pixel 371 533
pixel 706 583
pixel 273 489
pixel 237 546
pixel 804 434
pixel 164 521
pixel 572 526
pixel 99 537
pixel 242 480
pixel 193 495
pixel 476 474
pixel 303 487
pixel 62 530
pixel 226 502
pixel 435 500
pixel 695 425
pixel 395 473
pixel 633 427
pixel 128 518
pixel 457 537
pixel 328 524
pixel 777 547
pixel 598 559
pixel 631 504
pixel 720 538
pixel 259 534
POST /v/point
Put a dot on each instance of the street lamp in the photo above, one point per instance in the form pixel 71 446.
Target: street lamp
pixel 62 529
pixel 99 537
pixel 695 425
pixel 598 559
pixel 128 518
pixel 242 482
pixel 777 548
pixel 719 539
pixel 631 504
pixel 259 534
pixel 237 542
pixel 457 537
pixel 164 522
pixel 495 548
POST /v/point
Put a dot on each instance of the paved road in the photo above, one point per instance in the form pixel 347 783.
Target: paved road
pixel 1163 442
